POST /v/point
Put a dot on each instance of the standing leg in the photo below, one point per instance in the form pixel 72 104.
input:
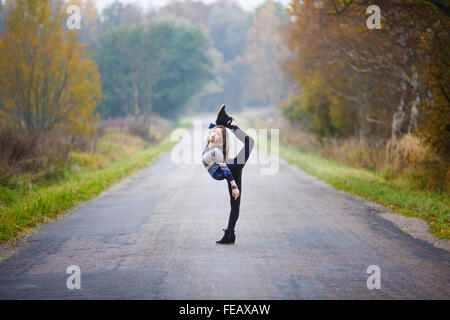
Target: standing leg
pixel 236 165
pixel 236 170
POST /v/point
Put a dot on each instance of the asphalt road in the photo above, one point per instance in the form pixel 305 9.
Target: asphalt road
pixel 153 237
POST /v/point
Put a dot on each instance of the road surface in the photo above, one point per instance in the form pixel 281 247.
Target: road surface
pixel 153 237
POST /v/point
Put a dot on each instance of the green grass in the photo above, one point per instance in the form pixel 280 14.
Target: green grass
pixel 185 122
pixel 433 207
pixel 28 204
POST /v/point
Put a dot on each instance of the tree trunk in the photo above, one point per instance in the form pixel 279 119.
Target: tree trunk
pixel 399 115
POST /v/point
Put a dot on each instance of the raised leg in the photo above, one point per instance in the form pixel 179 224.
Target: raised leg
pixel 244 154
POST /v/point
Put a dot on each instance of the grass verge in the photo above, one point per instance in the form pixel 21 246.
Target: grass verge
pixel 433 207
pixel 23 208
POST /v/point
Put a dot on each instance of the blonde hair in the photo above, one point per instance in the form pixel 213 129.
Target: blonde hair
pixel 221 142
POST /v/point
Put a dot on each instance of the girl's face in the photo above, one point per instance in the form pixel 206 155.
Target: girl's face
pixel 216 134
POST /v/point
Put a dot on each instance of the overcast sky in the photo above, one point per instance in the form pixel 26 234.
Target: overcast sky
pixel 246 4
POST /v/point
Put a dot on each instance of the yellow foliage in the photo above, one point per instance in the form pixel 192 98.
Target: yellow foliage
pixel 264 55
pixel 48 79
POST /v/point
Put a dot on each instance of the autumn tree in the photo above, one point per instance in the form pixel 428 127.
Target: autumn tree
pixel 154 68
pixel 434 71
pixel 5 7
pixel 118 14
pixel 127 59
pixel 228 27
pixel 196 12
pixel 1 15
pixel 48 81
pixel 264 55
pixel 246 50
pixel 90 21
pixel 375 76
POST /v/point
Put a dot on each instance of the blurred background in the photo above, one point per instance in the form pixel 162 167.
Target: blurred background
pixel 83 98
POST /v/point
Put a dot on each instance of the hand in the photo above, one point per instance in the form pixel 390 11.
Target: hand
pixel 233 124
pixel 235 192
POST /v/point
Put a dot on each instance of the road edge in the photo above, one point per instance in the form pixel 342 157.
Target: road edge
pixel 413 226
pixel 10 248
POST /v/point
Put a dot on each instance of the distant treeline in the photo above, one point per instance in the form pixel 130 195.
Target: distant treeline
pixel 186 54
pixel 154 68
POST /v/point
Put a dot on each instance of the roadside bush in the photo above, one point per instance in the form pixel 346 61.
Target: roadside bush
pixel 404 153
pixel 23 152
pixel 153 130
pixel 44 157
pixel 412 159
pixel 406 159
pixel 141 129
pixel 356 152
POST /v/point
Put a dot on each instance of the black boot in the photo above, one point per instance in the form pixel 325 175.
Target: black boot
pixel 228 238
pixel 223 118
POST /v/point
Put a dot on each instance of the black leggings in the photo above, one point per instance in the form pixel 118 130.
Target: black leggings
pixel 236 165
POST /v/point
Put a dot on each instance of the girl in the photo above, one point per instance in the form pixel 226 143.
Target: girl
pixel 215 160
